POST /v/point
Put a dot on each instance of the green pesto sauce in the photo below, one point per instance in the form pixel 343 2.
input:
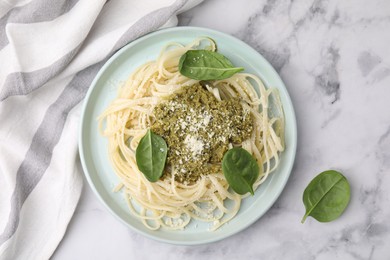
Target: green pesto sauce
pixel 198 129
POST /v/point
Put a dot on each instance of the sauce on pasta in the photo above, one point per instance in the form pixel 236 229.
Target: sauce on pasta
pixel 195 188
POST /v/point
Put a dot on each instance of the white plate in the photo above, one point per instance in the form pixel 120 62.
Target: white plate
pixel 93 147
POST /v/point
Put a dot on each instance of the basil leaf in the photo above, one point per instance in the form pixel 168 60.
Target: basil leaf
pixel 151 154
pixel 326 196
pixel 206 65
pixel 240 169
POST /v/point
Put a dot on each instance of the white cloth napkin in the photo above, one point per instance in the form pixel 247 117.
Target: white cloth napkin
pixel 50 51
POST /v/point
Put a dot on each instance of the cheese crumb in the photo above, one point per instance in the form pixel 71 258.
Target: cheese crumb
pixel 194 144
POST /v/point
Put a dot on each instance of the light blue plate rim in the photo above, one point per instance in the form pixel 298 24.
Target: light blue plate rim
pixel 252 214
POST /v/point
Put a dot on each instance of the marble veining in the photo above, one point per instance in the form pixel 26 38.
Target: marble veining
pixel 367 62
pixel 334 58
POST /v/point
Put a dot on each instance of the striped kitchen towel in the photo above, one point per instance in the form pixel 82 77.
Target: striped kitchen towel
pixel 50 51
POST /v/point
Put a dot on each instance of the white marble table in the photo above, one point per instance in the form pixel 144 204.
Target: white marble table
pixel 334 57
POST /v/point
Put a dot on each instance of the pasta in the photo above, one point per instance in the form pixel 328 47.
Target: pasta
pixel 169 203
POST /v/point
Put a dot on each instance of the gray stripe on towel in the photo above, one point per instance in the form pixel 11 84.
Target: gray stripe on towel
pixel 39 155
pixel 33 12
pixel 40 152
pixel 22 83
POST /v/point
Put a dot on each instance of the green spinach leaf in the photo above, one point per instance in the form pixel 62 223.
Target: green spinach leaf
pixel 240 169
pixel 206 65
pixel 326 196
pixel 151 154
